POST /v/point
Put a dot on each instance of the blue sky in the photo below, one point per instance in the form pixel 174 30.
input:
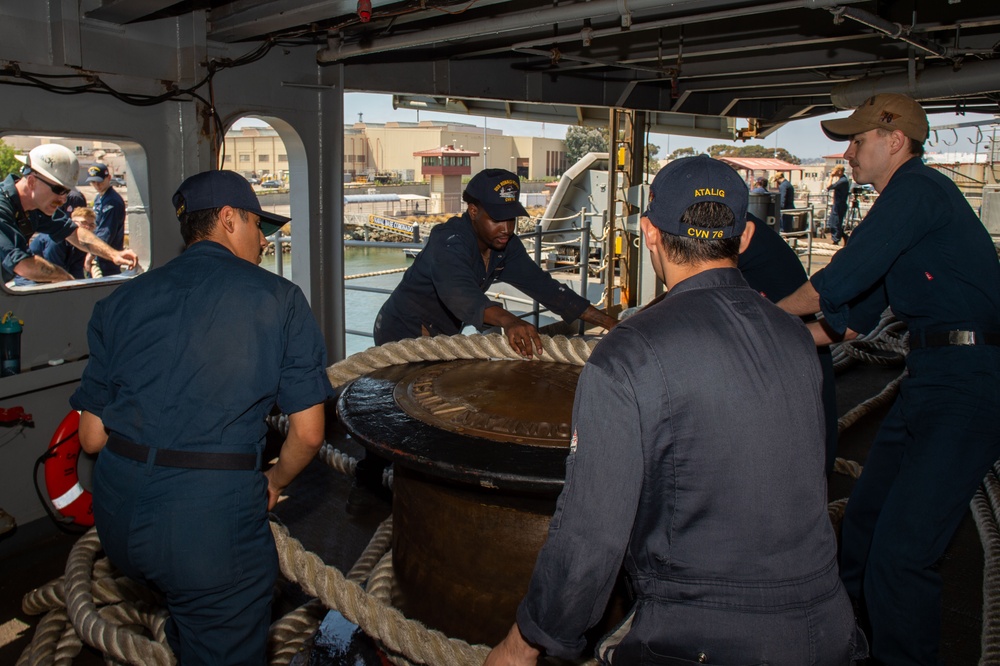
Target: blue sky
pixel 803 138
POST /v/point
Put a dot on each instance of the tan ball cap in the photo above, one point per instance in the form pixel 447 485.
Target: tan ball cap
pixel 888 111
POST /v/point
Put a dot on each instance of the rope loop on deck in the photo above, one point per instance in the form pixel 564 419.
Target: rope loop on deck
pixel 72 601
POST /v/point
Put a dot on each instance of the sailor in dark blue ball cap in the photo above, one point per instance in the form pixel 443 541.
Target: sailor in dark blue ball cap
pixel 444 289
pixel 685 182
pixel 186 362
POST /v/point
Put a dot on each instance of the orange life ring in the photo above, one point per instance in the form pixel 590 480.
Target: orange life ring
pixel 62 481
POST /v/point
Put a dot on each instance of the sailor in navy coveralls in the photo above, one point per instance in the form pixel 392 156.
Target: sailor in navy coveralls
pixel 921 250
pixel 186 361
pixel 697 464
pixel 445 287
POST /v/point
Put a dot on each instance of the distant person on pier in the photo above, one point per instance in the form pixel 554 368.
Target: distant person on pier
pixel 696 463
pixel 922 251
pixel 110 209
pixel 839 188
pixel 786 200
pixel 186 362
pixel 444 290
pixel 760 186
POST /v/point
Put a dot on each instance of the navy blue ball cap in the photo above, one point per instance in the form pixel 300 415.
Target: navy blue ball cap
pixel 97 173
pixel 215 189
pixel 691 180
pixel 499 192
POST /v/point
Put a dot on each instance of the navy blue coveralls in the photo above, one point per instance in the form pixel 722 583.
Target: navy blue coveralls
pixel 772 268
pixel 922 250
pixel 110 209
pixel 444 288
pixel 17 226
pixel 190 358
pixel 838 208
pixel 697 463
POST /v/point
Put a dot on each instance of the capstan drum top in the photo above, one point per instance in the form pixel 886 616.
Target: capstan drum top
pixel 519 402
pixel 494 424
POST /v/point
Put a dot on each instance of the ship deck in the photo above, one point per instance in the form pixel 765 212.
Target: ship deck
pixel 314 513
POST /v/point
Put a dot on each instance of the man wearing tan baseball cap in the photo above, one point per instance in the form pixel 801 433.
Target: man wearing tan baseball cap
pixel 887 111
pixel 923 251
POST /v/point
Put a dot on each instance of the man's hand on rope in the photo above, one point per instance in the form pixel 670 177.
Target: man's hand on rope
pixel 523 337
pixel 513 651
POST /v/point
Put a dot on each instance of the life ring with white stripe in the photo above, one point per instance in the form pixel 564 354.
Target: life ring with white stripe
pixel 62 480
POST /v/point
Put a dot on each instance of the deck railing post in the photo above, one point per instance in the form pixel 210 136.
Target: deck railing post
pixel 538 262
pixel 584 257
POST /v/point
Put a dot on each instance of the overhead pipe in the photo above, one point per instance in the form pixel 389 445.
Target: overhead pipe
pixel 894 30
pixel 974 78
pixel 587 35
pixel 336 50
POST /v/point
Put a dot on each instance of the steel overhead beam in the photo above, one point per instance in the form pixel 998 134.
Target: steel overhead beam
pixel 504 23
pixel 246 19
pixel 973 78
pixel 126 11
pixel 661 122
pixel 511 79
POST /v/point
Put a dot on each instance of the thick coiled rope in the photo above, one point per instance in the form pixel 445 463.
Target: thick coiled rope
pixel 385 624
pixel 407 641
pixel 985 508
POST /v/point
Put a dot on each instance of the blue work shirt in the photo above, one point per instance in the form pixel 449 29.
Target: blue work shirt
pixel 840 191
pixel 17 226
pixel 59 253
pixel 193 355
pixel 444 288
pixel 922 249
pixel 110 210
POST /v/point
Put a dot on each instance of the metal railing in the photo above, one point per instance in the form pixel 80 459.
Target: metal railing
pixel 793 237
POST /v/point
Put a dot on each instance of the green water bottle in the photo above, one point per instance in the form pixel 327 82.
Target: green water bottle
pixel 10 345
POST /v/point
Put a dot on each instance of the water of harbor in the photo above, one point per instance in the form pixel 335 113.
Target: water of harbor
pixel 360 307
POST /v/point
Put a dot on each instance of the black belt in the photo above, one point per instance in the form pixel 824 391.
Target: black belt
pixel 184 459
pixel 948 338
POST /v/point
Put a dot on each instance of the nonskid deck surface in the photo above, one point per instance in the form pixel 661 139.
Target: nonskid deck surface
pixel 314 513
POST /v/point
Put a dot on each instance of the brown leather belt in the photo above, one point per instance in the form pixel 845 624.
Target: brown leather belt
pixel 183 459
pixel 949 338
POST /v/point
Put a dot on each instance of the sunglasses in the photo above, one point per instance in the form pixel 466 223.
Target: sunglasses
pixel 57 190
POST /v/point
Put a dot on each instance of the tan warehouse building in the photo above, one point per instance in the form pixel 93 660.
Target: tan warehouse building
pixel 377 151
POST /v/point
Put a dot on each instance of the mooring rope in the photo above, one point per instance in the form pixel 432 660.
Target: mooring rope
pixel 71 602
pixel 388 271
pixel 985 508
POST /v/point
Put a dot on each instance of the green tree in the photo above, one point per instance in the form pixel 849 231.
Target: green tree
pixel 682 152
pixel 755 150
pixel 652 164
pixel 8 162
pixel 583 140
